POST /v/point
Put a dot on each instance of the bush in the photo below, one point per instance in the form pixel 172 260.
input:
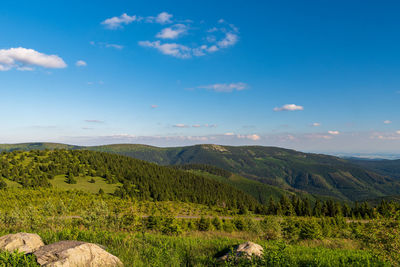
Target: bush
pixel 228 226
pixel 204 224
pixel 17 259
pixel 3 184
pixel 171 227
pixel 272 227
pixel 310 229
pixel 217 223
pixel 239 224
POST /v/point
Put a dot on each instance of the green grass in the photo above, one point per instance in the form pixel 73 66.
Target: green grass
pixel 12 184
pixel 16 259
pixel 84 184
pixel 136 249
pixel 118 225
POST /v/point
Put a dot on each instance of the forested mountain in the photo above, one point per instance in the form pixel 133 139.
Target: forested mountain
pixel 288 169
pixel 291 170
pixel 33 146
pixel 382 166
pixel 138 179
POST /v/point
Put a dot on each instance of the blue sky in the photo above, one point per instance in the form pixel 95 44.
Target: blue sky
pixel 311 75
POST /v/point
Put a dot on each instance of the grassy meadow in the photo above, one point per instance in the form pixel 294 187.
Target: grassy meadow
pixel 145 233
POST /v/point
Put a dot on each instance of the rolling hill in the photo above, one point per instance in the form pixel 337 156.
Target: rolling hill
pixel 286 169
pixel 123 176
pixel 382 166
pixel 316 174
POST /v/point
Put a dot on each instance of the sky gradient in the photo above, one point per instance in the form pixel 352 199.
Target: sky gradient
pixel 320 76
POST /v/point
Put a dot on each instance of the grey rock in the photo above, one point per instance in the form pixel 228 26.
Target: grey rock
pixel 248 250
pixel 75 254
pixel 23 242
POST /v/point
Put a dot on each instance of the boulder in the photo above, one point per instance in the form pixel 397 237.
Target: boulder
pixel 73 254
pixel 23 242
pixel 248 250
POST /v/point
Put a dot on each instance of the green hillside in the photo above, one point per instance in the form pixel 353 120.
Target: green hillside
pixel 260 191
pixel 288 169
pixel 315 174
pixel 33 146
pixel 384 167
pixel 120 175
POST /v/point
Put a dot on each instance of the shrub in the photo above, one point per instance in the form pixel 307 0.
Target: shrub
pixel 217 223
pixel 171 227
pixel 17 259
pixel 272 227
pixel 3 184
pixel 204 224
pixel 310 229
pixel 239 224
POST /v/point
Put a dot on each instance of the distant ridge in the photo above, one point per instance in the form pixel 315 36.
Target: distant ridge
pixel 316 174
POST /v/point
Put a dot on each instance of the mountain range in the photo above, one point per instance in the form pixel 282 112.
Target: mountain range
pixel 269 169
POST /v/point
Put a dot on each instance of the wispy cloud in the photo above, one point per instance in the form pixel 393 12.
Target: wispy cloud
pixel 24 59
pixel 289 107
pixel 228 35
pixel 391 136
pixel 154 106
pixel 387 122
pixel 116 46
pixel 181 125
pixel 117 22
pixel 172 32
pixel 334 132
pixel 171 49
pixel 230 39
pixel 163 18
pixel 254 137
pixel 225 87
pixel 81 63
pixel 316 124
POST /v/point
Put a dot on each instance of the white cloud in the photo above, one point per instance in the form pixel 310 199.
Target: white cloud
pixel 316 124
pixel 225 87
pixel 154 106
pixel 172 32
pixel 116 22
pixel 181 125
pixel 212 49
pixel 318 136
pixel 196 125
pixel 398 132
pixel 81 63
pixel 116 46
pixel 94 121
pixel 171 49
pixel 289 107
pixel 163 18
pixel 254 137
pixel 229 37
pixel 23 59
pixel 334 132
pixel 229 134
pixel 229 40
pixel 387 122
